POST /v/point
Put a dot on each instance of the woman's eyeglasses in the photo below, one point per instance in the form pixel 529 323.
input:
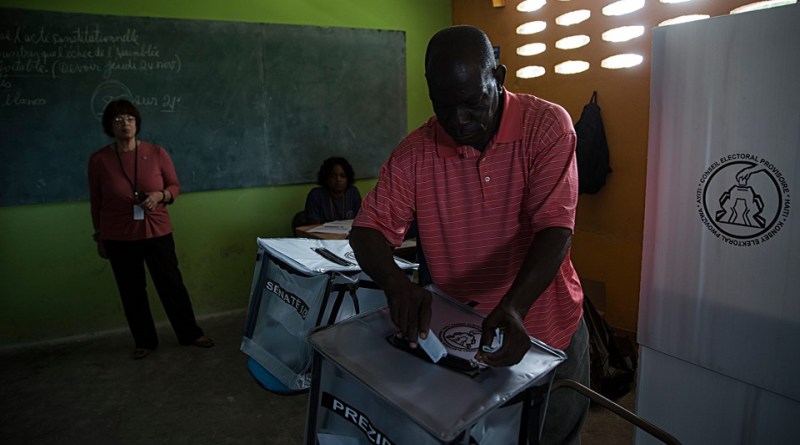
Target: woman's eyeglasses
pixel 120 120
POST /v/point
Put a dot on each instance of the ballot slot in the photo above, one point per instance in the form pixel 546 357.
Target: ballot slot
pixel 455 363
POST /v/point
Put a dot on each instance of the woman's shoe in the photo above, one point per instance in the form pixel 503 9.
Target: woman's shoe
pixel 204 342
pixel 140 353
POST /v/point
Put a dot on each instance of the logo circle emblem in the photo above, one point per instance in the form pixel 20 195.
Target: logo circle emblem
pixel 743 199
pixel 464 337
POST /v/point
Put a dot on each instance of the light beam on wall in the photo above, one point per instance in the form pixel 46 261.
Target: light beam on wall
pixel 684 19
pixel 529 72
pixel 623 33
pixel 531 27
pixel 573 42
pixel 623 7
pixel 571 67
pixel 531 5
pixel 531 49
pixel 573 18
pixel 621 61
pixel 762 5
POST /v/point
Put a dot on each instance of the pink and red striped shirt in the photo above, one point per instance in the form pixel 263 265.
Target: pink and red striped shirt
pixel 477 212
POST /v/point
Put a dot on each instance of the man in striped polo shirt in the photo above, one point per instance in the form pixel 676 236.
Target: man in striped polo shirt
pixel 492 182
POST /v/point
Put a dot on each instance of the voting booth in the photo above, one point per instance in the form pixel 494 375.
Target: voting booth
pixel 299 284
pixel 368 390
pixel 719 313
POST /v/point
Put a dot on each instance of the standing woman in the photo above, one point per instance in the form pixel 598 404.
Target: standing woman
pixel 336 198
pixel 130 184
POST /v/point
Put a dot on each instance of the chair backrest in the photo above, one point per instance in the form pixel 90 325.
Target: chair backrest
pixel 298 220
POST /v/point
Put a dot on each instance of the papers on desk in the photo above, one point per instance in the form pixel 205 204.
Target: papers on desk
pixel 337 227
pixel 300 253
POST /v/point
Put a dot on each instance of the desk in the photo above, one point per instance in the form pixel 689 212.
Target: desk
pixel 306 232
pixel 407 250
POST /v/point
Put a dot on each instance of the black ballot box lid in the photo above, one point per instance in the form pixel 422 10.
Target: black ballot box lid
pixel 441 400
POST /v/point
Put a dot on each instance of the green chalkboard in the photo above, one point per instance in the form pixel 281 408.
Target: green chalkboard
pixel 235 104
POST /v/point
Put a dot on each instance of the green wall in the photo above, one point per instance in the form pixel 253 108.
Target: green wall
pixel 53 284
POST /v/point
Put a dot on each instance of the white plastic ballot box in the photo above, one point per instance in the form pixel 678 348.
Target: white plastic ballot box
pixel 368 390
pixel 299 284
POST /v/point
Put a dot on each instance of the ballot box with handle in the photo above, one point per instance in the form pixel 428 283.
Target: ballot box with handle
pixel 299 284
pixel 366 390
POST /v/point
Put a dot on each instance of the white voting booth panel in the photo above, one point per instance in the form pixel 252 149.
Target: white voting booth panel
pixel 295 289
pixel 719 315
pixel 368 391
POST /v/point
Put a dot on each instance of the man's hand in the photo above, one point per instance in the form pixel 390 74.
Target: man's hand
pixel 545 256
pixel 410 307
pixel 409 304
pixel 515 338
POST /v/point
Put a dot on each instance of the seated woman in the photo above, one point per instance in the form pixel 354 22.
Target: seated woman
pixel 336 198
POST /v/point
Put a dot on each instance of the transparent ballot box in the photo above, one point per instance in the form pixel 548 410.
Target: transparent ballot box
pixel 367 389
pixel 299 284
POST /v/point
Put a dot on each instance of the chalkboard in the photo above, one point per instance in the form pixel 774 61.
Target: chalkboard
pixel 235 104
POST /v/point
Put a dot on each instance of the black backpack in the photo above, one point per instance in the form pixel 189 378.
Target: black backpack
pixel 592 149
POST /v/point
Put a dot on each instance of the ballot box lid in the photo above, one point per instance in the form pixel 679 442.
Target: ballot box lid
pixel 442 401
pixel 302 255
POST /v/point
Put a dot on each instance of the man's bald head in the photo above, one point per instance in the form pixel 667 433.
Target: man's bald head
pixel 465 84
pixel 461 43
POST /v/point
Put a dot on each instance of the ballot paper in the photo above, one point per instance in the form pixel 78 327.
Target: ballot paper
pixel 336 227
pixel 497 342
pixel 432 346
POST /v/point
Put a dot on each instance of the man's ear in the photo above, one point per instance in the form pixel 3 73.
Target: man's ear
pixel 500 76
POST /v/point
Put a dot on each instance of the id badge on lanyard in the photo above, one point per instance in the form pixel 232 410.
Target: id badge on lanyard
pixel 138 211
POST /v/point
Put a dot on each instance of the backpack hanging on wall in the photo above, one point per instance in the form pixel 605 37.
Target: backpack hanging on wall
pixel 592 149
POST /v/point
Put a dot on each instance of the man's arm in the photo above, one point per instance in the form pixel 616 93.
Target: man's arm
pixel 409 304
pixel 544 258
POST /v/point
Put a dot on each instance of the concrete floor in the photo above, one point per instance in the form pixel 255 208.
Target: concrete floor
pixel 88 391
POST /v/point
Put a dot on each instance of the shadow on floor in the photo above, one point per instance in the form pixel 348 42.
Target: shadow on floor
pixel 90 391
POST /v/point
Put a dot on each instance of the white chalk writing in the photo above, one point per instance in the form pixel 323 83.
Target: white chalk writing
pixel 47 52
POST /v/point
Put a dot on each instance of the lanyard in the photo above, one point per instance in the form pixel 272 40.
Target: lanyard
pixel 135 181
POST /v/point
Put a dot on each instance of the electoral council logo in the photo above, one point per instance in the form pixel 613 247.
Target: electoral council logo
pixel 743 199
pixel 465 337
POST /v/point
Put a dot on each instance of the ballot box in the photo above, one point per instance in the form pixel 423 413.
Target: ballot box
pixel 299 284
pixel 367 390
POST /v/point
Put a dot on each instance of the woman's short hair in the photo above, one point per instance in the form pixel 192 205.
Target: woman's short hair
pixel 327 167
pixel 116 108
